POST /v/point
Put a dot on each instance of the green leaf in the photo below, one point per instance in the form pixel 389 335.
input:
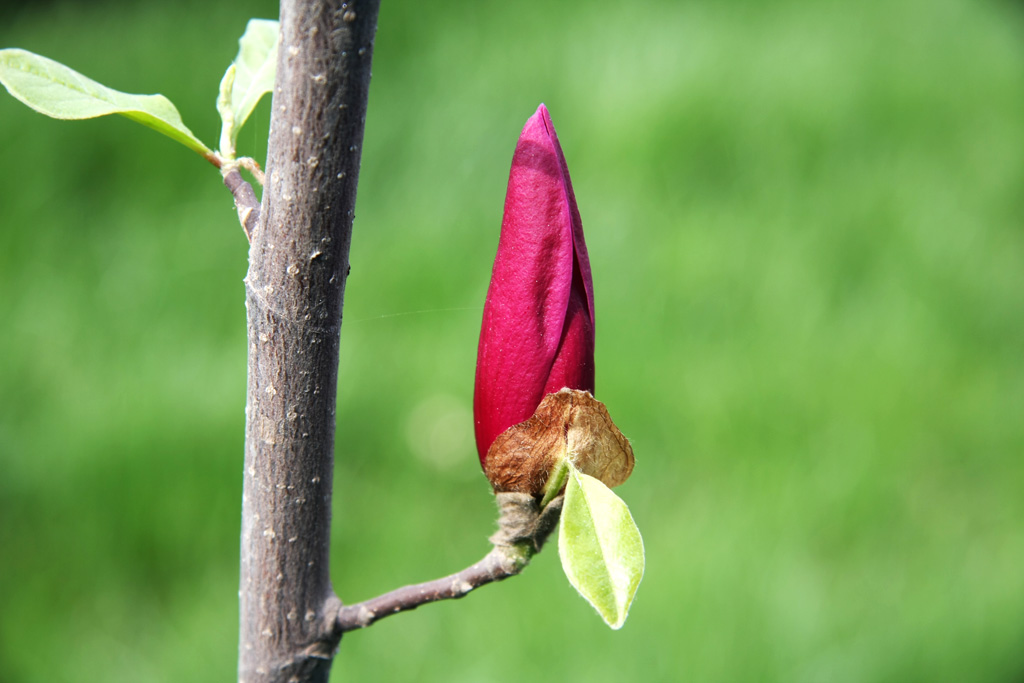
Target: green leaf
pixel 62 93
pixel 248 79
pixel 601 548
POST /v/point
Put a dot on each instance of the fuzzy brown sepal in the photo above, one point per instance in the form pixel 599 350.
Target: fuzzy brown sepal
pixel 568 424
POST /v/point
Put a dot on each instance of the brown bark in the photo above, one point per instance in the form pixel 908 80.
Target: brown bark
pixel 298 263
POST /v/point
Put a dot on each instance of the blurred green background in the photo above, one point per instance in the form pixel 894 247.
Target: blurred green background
pixel 805 226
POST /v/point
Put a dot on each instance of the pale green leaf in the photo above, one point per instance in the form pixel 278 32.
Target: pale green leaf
pixel 601 548
pixel 248 79
pixel 62 93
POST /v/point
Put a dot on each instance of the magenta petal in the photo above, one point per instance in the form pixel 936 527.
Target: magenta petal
pixel 573 366
pixel 538 324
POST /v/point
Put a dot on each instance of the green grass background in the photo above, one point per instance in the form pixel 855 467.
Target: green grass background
pixel 805 226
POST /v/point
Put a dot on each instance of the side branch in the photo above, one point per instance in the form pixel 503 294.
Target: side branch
pixel 246 203
pixel 500 563
pixel 525 526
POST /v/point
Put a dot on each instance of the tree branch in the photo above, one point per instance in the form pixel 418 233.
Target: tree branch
pixel 498 564
pixel 298 263
pixel 524 528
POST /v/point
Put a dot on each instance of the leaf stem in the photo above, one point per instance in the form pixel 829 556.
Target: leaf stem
pixel 555 482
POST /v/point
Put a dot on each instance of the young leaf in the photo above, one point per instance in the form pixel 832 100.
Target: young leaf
pixel 601 549
pixel 62 93
pixel 248 79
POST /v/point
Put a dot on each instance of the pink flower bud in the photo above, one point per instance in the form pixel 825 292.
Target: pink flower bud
pixel 537 335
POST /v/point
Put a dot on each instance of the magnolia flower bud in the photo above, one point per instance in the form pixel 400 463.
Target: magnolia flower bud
pixel 537 335
pixel 533 402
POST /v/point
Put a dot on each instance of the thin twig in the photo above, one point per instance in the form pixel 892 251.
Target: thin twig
pixel 500 563
pixel 524 528
pixel 246 203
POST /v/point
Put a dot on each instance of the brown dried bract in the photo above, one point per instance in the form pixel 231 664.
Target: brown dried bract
pixel 568 424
